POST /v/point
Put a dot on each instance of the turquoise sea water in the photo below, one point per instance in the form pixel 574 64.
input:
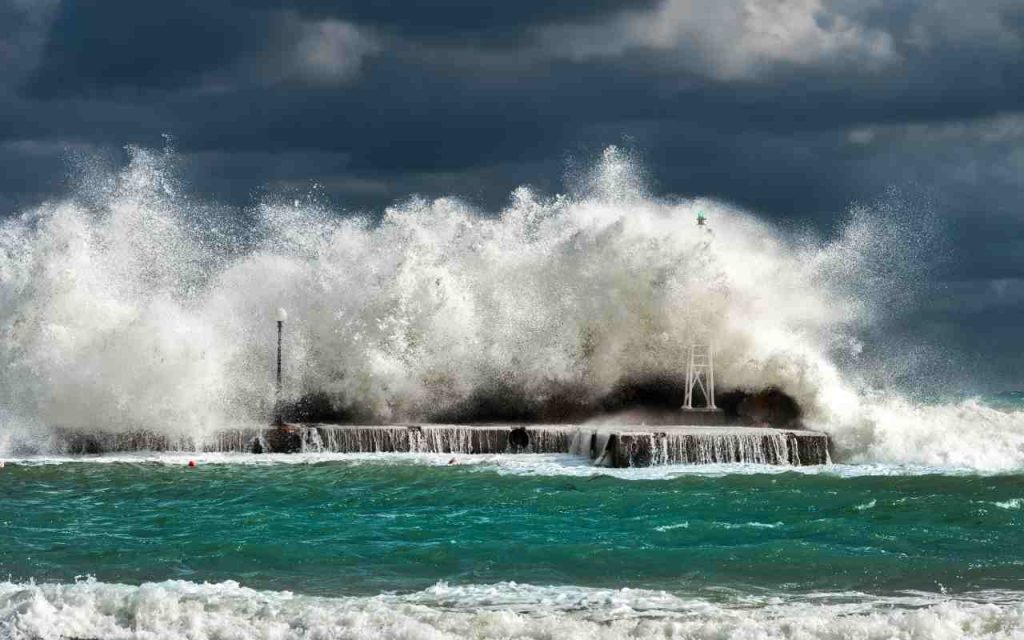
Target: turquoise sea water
pixel 357 528
pixel 348 530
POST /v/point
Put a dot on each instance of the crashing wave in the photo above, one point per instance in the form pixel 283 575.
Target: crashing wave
pixel 177 609
pixel 129 307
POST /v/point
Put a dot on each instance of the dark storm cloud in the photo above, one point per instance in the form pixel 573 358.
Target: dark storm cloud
pixel 449 20
pixel 796 109
pixel 120 44
pixel 94 47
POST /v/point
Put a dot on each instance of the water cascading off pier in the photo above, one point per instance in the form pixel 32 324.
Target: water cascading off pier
pixel 605 445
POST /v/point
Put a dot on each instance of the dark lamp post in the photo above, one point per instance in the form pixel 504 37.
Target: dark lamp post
pixel 282 315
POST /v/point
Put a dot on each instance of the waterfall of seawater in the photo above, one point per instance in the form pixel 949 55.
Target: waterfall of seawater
pixel 623 446
pixel 312 441
pixel 718 446
pixel 757 448
pixel 461 439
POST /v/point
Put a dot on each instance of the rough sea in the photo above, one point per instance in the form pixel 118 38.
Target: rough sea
pixel 504 547
pixel 126 305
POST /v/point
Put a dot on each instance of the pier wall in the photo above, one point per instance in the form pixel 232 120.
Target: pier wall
pixel 606 445
pixel 234 440
pixel 721 445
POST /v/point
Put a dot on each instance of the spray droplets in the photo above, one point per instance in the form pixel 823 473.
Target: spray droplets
pixel 131 309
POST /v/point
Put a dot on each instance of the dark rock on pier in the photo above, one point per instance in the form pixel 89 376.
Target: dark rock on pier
pixel 768 408
pixel 648 400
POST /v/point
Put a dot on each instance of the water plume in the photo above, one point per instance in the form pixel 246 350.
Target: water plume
pixel 129 306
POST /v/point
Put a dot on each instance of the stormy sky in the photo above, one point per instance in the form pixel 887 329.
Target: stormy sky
pixel 795 109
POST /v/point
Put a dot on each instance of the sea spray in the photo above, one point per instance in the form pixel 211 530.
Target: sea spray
pixel 127 308
pixel 178 609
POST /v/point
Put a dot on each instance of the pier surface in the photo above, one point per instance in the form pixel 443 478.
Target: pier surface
pixel 614 445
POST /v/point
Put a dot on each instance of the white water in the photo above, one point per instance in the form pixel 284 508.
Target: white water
pixel 127 306
pixel 504 464
pixel 751 446
pixel 171 610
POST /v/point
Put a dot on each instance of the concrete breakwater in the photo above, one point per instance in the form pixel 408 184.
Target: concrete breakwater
pixel 606 445
pixel 711 445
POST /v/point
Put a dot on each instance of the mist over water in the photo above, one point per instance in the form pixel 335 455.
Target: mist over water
pixel 126 305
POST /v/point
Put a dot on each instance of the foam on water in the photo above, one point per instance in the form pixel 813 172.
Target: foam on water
pixel 127 306
pixel 1015 503
pixel 549 465
pixel 170 610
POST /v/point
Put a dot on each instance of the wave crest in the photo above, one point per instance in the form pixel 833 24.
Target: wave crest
pixel 89 609
pixel 131 307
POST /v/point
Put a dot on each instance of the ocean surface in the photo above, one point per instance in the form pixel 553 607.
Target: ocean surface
pixel 393 546
pixel 128 304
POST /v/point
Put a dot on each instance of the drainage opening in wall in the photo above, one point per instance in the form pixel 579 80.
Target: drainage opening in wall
pixel 518 438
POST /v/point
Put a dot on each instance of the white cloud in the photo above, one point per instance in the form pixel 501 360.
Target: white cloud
pixel 325 52
pixel 330 51
pixel 940 24
pixel 863 135
pixel 1002 128
pixel 731 39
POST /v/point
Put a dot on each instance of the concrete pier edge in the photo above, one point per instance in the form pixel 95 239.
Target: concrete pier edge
pixel 606 445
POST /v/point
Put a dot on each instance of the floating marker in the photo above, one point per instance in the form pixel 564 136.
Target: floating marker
pixel 191 464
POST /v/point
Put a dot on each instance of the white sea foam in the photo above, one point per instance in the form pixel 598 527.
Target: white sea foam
pixel 749 525
pixel 966 435
pixel 127 306
pixel 171 610
pixel 1013 503
pixel 671 527
pixel 504 464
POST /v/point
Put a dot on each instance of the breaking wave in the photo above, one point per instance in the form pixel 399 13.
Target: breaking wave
pixel 127 305
pixel 89 609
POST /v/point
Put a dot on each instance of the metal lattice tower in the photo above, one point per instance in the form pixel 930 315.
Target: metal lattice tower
pixel 700 373
pixel 700 368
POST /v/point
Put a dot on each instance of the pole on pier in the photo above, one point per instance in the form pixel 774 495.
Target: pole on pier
pixel 282 315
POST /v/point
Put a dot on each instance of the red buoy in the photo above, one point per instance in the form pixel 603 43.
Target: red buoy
pixel 191 463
